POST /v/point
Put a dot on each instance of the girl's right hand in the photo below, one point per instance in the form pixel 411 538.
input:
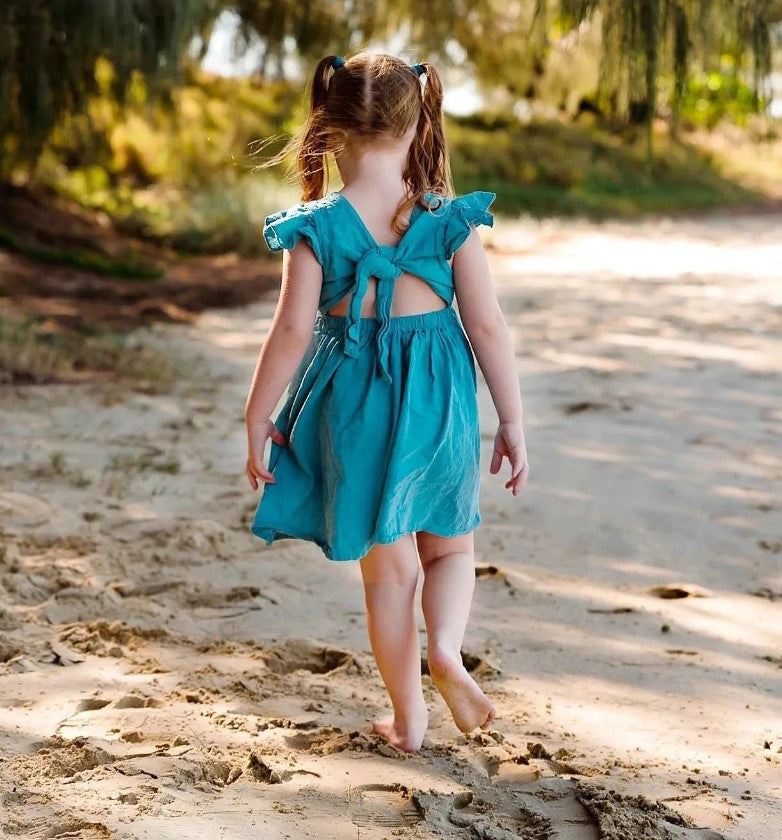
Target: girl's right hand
pixel 257 435
pixel 509 443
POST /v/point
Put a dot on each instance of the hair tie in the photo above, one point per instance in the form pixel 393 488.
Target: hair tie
pixel 418 69
pixel 337 62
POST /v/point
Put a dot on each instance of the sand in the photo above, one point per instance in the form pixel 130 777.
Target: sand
pixel 165 674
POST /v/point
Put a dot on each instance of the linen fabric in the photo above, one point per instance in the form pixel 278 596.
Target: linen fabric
pixel 381 416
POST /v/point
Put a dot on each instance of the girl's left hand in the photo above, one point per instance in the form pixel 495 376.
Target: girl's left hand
pixel 257 435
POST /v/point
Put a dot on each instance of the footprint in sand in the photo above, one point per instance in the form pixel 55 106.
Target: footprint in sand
pixel 331 739
pixel 20 512
pixel 76 829
pixel 483 814
pixel 109 638
pixel 243 598
pixel 621 817
pixel 538 810
pixel 389 806
pixel 35 578
pixel 58 756
pixel 309 655
pixel 260 769
pixel 478 666
pixel 122 728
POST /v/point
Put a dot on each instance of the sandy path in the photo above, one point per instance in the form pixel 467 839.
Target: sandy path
pixel 167 675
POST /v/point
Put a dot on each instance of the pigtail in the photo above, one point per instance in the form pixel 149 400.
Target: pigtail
pixel 428 161
pixel 313 147
pixel 440 172
pixel 310 143
pixel 374 96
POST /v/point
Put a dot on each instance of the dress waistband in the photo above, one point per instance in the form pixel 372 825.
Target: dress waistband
pixel 396 324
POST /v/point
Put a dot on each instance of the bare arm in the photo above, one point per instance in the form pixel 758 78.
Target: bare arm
pixel 492 343
pixel 282 352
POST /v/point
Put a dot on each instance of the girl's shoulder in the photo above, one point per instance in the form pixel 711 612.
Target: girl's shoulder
pixel 459 214
pixel 452 216
pixel 472 204
pixel 284 228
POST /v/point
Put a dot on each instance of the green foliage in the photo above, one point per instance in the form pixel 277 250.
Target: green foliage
pixel 205 201
pixel 644 41
pixel 562 169
pixel 48 51
pixel 710 98
pixel 184 176
pixel 215 217
pixel 210 129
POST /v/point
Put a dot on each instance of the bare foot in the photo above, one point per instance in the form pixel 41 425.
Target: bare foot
pixel 407 738
pixel 469 706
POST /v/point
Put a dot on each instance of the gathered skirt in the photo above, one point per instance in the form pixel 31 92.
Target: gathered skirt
pixel 367 460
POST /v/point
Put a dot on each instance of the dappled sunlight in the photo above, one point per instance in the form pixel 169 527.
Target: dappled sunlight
pixel 630 567
pixel 646 725
pixel 593 453
pixel 589 361
pixel 225 333
pixel 758 497
pixel 763 358
pixel 655 469
pixel 653 431
pixel 716 620
pixel 617 250
pixel 166 673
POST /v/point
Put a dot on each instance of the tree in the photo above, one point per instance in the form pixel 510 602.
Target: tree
pixel 644 38
pixel 48 50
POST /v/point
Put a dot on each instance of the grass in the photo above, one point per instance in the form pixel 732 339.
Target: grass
pixel 143 462
pixel 29 354
pixel 59 466
pixel 93 261
pixel 545 169
pixel 184 178
pixel 210 218
pixel 541 170
pixel 560 169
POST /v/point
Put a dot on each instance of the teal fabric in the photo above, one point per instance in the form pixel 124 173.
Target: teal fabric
pixel 381 417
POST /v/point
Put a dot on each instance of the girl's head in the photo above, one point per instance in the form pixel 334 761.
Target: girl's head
pixel 371 101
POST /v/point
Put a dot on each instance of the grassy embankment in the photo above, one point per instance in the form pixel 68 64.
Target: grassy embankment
pixel 168 184
pixel 185 178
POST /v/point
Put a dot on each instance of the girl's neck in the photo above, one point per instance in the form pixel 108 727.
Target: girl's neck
pixel 377 169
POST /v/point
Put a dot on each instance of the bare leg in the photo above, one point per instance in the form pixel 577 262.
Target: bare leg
pixel 390 574
pixel 449 581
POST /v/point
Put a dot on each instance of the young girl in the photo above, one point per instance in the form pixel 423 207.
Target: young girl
pixel 374 455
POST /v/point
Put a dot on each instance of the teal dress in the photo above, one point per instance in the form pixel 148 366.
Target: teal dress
pixel 381 416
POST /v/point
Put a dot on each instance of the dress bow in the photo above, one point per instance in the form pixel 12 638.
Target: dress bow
pixel 375 262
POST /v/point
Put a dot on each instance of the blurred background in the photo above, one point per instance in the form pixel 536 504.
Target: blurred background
pixel 129 131
pixel 627 614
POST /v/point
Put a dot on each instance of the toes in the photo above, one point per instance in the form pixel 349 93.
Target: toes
pixel 485 725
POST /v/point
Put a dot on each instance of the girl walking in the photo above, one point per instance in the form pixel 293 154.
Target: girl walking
pixel 374 455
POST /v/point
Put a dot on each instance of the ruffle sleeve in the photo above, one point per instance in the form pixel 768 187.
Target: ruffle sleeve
pixel 465 211
pixel 285 228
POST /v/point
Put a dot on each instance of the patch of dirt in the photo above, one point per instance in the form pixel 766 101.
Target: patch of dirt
pixel 69 298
